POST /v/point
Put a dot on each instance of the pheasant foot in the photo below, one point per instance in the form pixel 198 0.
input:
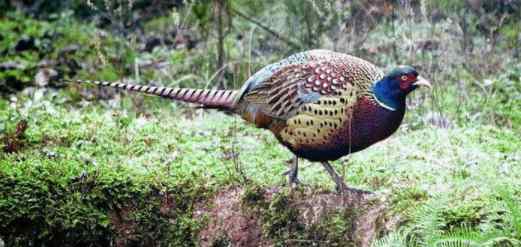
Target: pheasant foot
pixel 341 187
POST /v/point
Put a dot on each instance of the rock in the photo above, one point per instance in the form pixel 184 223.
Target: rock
pixel 11 65
pixel 69 49
pixel 154 64
pixel 46 63
pixel 43 76
pixel 26 43
pixel 151 43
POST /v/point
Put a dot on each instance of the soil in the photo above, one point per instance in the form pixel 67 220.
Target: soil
pixel 232 222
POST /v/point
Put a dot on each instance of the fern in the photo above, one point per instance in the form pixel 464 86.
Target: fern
pixel 513 209
pixel 464 236
pixel 473 238
pixel 488 235
pixel 395 239
pixel 429 221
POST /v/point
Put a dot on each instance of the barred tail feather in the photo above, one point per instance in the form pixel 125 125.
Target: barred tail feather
pixel 219 99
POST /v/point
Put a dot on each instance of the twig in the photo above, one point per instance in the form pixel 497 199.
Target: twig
pixel 267 29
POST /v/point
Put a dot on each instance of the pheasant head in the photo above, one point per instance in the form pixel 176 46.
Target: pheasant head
pixel 391 90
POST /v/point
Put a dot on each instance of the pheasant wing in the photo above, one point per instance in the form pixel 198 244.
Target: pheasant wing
pixel 281 89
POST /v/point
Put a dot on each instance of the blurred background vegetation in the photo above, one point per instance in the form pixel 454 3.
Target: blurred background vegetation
pixel 469 49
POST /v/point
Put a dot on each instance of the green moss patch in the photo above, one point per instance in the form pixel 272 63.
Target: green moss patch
pixel 43 204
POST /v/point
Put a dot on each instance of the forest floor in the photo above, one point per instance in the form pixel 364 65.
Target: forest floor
pixel 101 156
pixel 81 166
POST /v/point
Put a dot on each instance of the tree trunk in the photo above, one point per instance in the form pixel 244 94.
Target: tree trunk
pixel 219 12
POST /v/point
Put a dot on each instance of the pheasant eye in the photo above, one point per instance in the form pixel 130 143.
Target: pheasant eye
pixel 403 78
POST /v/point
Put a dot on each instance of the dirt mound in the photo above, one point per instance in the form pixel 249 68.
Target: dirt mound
pixel 255 216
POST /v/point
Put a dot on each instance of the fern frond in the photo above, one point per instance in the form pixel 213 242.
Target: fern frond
pixel 395 239
pixel 462 237
pixel 468 237
pixel 502 241
pixel 513 208
pixel 429 221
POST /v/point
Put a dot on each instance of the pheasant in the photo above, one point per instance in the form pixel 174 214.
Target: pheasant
pixel 320 104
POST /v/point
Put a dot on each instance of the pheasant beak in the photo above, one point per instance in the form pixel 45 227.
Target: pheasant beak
pixel 422 82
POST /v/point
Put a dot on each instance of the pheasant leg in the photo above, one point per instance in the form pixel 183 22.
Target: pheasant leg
pixel 293 173
pixel 339 180
pixel 341 187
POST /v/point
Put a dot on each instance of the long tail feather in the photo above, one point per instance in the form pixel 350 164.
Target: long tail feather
pixel 219 99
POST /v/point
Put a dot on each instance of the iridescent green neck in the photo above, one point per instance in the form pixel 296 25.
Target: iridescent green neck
pixel 388 95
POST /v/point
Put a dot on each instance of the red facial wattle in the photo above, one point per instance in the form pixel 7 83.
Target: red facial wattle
pixel 406 82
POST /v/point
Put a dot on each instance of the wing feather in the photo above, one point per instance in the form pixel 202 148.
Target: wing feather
pixel 281 88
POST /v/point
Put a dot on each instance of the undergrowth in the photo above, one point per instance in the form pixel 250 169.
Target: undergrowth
pixel 129 169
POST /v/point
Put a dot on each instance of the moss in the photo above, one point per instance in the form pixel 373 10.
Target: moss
pixel 280 219
pixel 40 208
pixel 334 229
pixel 406 199
pixel 222 241
pixel 253 195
